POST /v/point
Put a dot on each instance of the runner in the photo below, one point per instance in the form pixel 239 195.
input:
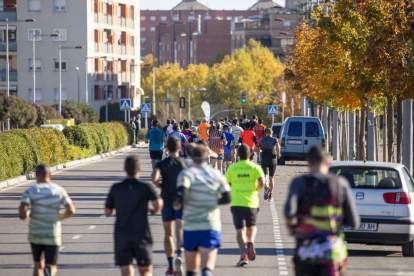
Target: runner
pixel 236 130
pixel 129 201
pixel 270 152
pixel 321 205
pixel 246 180
pixel 253 122
pixel 229 148
pixel 137 128
pixel 169 169
pixel 156 138
pixel 200 190
pixel 166 129
pixel 248 137
pixel 217 142
pixel 181 137
pixel 259 130
pixel 45 234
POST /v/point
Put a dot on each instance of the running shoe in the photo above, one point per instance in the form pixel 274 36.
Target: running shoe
pixel 251 252
pixel 170 272
pixel 266 193
pixel 270 199
pixel 178 267
pixel 243 261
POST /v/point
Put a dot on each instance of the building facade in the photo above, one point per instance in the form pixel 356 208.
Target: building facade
pixel 164 33
pixel 106 68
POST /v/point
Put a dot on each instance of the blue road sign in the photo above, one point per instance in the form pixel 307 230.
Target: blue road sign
pixel 145 108
pixel 168 101
pixel 125 104
pixel 272 109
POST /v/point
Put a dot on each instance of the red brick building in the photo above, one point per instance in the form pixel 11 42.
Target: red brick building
pixel 191 32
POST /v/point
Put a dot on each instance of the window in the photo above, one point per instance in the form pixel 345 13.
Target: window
pixel 312 129
pixel 179 47
pixel 163 18
pixel 143 29
pixel 38 95
pixel 64 95
pixel 38 64
pixel 36 32
pixel 57 65
pixel 295 129
pixel 152 29
pixel 34 5
pixel 153 18
pixel 286 42
pixel 62 35
pixel 229 18
pixel 143 18
pixel 191 18
pixel 143 40
pixel 176 18
pixel 369 177
pixel 207 17
pixel 287 24
pixel 59 5
pixel 183 47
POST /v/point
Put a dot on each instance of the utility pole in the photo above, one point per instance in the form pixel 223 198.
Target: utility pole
pixel 407 153
pixel 325 124
pixel 335 136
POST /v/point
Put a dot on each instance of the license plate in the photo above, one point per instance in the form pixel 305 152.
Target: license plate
pixel 294 142
pixel 366 227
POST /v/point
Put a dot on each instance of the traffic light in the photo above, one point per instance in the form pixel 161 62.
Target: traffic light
pixel 182 102
pixel 244 97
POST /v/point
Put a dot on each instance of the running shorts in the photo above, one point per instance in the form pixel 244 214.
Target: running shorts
pixel 169 214
pixel 271 167
pixel 156 154
pixel 51 253
pixel 141 253
pixel 244 216
pixel 210 239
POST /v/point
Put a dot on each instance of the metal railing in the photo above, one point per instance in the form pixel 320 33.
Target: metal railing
pixel 13 75
pixel 12 46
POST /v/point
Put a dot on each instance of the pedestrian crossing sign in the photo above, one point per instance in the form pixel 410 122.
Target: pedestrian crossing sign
pixel 125 104
pixel 145 108
pixel 272 110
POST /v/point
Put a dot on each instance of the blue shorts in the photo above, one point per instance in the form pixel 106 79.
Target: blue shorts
pixel 169 214
pixel 210 239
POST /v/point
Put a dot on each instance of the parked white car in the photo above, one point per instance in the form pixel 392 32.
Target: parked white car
pixel 384 194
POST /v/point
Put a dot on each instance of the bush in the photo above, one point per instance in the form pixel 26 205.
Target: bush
pixel 76 153
pixel 142 134
pixel 81 112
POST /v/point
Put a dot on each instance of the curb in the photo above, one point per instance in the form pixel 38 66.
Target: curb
pixel 31 176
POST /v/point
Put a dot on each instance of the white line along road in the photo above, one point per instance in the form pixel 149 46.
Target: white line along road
pixel 280 252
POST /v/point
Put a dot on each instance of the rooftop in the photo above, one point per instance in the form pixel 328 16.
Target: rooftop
pixel 190 5
pixel 264 5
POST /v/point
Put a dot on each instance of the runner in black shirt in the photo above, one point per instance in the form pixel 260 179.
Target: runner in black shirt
pixel 129 199
pixel 169 169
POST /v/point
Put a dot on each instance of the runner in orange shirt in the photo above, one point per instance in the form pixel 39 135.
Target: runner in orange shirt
pixel 248 137
pixel 202 130
pixel 260 130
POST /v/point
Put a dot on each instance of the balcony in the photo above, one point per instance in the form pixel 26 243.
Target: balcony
pixel 12 46
pixel 13 75
pixel 11 15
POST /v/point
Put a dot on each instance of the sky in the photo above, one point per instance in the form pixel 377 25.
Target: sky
pixel 212 4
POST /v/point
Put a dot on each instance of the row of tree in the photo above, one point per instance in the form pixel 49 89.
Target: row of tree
pixel 357 56
pixel 252 69
pixel 23 114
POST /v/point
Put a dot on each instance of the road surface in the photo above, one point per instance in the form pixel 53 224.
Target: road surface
pixel 88 243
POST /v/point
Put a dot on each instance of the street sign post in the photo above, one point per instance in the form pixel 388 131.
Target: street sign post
pixel 125 104
pixel 272 110
pixel 146 108
pixel 283 106
pixel 260 96
pixel 168 101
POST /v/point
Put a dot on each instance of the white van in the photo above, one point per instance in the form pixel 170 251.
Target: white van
pixel 299 135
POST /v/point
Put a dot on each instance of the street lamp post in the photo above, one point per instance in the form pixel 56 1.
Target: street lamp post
pixel 12 6
pixel 77 69
pixel 60 71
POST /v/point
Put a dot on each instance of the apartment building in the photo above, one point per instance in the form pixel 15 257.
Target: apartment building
pixel 106 68
pixel 164 29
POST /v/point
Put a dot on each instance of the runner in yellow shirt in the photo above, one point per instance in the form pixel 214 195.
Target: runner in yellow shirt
pixel 246 180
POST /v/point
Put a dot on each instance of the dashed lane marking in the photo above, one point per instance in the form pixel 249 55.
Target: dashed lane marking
pixel 92 227
pixel 77 237
pixel 280 252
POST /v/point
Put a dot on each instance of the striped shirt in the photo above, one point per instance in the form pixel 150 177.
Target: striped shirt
pixel 45 201
pixel 217 140
pixel 204 186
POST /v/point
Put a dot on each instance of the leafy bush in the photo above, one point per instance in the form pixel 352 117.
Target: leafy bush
pixel 76 153
pixel 81 112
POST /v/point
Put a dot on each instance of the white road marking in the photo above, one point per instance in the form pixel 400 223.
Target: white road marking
pixel 280 252
pixel 77 237
pixel 61 248
pixel 92 227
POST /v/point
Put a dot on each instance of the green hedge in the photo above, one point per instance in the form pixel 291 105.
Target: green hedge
pixel 21 150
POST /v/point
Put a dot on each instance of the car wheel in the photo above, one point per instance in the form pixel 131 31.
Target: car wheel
pixel 281 161
pixel 408 249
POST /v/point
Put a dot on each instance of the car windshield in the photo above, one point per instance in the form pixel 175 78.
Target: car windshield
pixel 369 177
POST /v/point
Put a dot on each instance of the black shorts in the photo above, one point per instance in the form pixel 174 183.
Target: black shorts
pixel 244 217
pixel 271 167
pixel 51 253
pixel 327 269
pixel 156 154
pixel 141 253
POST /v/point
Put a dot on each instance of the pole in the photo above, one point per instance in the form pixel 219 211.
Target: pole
pixel 371 135
pixel 106 108
pixel 407 156
pixel 384 135
pixel 78 85
pixel 86 80
pixel 283 112
pixel 34 67
pixel 325 124
pixel 292 104
pixel 189 103
pixel 304 106
pixel 153 92
pixel 181 112
pixel 335 137
pixel 7 69
pixel 351 136
pixel 146 121
pixel 60 79
pixel 168 104
pixel 273 119
pixel 126 119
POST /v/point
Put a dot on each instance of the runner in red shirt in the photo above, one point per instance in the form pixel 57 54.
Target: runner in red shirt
pixel 260 130
pixel 248 137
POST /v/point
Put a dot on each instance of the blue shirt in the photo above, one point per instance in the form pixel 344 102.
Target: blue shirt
pixel 177 134
pixel 155 137
pixel 229 138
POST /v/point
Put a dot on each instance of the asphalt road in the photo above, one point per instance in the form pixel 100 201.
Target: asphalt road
pixel 88 244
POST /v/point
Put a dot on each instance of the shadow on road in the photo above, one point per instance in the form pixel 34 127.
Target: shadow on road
pixel 372 253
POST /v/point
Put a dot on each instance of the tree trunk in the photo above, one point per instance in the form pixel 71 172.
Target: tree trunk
pixel 399 130
pixel 384 135
pixel 377 136
pixel 390 126
pixel 330 129
pixel 362 134
pixel 344 136
pixel 357 129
